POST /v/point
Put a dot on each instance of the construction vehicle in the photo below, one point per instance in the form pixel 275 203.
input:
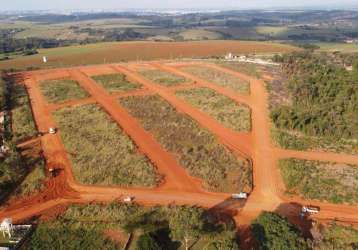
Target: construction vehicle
pixel 52 131
pixel 310 209
pixel 241 195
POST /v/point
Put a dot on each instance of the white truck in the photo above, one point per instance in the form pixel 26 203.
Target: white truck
pixel 241 195
pixel 310 209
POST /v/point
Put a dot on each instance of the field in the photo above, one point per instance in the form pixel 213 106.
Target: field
pixel 57 91
pixel 247 68
pixel 199 34
pixel 23 126
pixel 218 77
pixel 336 183
pixel 222 108
pixel 162 77
pixel 115 82
pixel 342 47
pixel 90 138
pixel 196 149
pixel 126 51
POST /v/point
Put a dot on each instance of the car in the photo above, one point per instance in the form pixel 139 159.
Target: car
pixel 128 199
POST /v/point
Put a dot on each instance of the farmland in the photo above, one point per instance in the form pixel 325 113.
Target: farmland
pixel 91 137
pixel 335 183
pixel 222 108
pixel 218 77
pixel 127 51
pixel 57 91
pixel 197 150
pixel 115 82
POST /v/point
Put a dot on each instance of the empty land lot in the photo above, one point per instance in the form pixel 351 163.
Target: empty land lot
pixel 57 91
pixel 219 78
pixel 101 154
pixel 163 78
pixel 195 148
pixel 116 82
pixel 222 108
pixel 337 183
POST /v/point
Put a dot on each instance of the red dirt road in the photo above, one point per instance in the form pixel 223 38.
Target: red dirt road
pixel 179 187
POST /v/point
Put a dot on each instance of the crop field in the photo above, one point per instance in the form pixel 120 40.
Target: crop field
pixel 163 78
pixel 196 149
pixel 23 126
pixel 57 91
pixel 222 108
pixel 336 183
pixel 101 154
pixel 116 82
pixel 128 51
pixel 218 77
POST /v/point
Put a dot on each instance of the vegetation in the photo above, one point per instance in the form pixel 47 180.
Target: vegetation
pixel 220 78
pixel 57 91
pixel 116 82
pixel 222 108
pixel 196 149
pixel 324 98
pixel 334 236
pixel 23 126
pixel 335 183
pixel 246 68
pixel 163 78
pixel 272 231
pixel 100 152
pixel 84 227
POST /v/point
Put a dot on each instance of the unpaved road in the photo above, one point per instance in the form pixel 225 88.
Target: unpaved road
pixel 178 186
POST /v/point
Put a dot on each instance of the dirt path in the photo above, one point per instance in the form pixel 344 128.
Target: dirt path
pixel 179 187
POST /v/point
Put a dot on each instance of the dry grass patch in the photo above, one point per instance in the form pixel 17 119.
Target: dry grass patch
pixel 57 91
pixel 162 77
pixel 222 108
pixel 195 148
pixel 219 78
pixel 116 82
pixel 337 183
pixel 100 152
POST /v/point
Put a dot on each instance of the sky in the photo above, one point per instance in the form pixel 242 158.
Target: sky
pixel 171 4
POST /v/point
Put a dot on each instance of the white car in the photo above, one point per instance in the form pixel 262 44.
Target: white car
pixel 241 195
pixel 128 199
pixel 52 131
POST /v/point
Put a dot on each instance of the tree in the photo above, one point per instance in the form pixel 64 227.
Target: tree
pixel 146 242
pixel 272 231
pixel 186 223
pixel 225 241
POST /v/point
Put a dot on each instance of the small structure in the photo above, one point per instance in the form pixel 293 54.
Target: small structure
pixel 6 227
pixel 44 59
pixel 241 195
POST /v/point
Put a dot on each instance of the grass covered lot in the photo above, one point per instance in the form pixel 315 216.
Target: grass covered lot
pixel 222 108
pixel 163 78
pixel 116 82
pixel 336 183
pixel 334 236
pixel 219 78
pixel 196 149
pixel 57 91
pixel 246 68
pixel 23 126
pixel 100 152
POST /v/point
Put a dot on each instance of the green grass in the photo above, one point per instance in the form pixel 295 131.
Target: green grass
pixel 23 126
pixel 222 108
pixel 342 47
pixel 116 82
pixel 57 91
pixel 246 68
pixel 219 78
pixel 336 236
pixel 100 152
pixel 195 148
pixel 336 183
pixel 163 78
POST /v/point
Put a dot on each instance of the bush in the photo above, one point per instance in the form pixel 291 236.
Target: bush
pixel 271 231
pixel 146 242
